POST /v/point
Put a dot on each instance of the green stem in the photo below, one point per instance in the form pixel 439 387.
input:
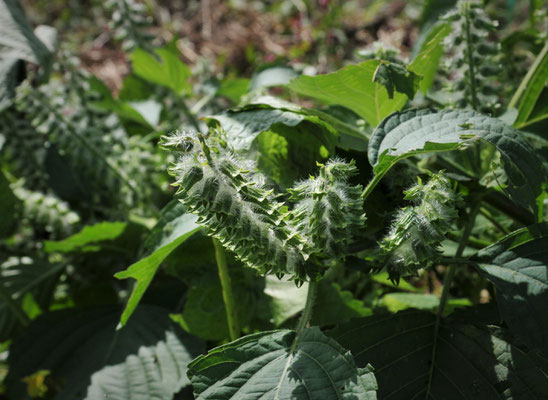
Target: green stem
pixel 306 315
pixel 14 307
pixel 446 285
pixel 371 185
pixel 189 115
pixel 471 66
pixel 226 286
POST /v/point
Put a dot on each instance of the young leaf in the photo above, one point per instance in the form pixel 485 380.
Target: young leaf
pixel 173 228
pixel 404 134
pixel 517 265
pixel 86 239
pixel 164 68
pixel 470 362
pixel 262 366
pixel 147 359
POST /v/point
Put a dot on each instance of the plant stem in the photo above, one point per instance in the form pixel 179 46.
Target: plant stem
pixel 371 185
pixel 446 285
pixel 189 115
pixel 306 315
pixel 471 66
pixel 226 286
pixel 14 307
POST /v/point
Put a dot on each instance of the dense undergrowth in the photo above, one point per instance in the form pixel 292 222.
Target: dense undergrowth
pixel 376 232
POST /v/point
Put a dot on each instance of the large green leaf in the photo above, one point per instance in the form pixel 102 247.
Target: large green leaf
pixel 518 267
pixel 262 366
pixel 284 298
pixel 163 68
pixel 470 362
pixel 352 87
pixel 173 228
pixel 404 134
pixel 530 88
pixel 88 238
pixel 88 358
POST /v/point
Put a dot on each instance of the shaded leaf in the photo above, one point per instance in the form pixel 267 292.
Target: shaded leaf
pixel 87 238
pixel 334 305
pixel 173 228
pixel 404 134
pixel 518 267
pixel 471 362
pixel 85 354
pixel 261 366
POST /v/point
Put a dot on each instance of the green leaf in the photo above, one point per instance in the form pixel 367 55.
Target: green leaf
pixel 242 126
pixel 530 88
pixel 233 89
pixel 8 204
pixel 334 305
pixel 173 228
pixel 89 359
pixel 87 238
pixel 285 299
pixel 384 279
pixel 470 362
pixel 17 40
pixel 164 69
pixel 204 313
pixel 20 277
pixel 427 61
pixel 412 132
pixel 517 265
pixel 395 76
pixel 262 366
pixel 10 75
pixel 272 76
pixel 352 87
pixel 395 302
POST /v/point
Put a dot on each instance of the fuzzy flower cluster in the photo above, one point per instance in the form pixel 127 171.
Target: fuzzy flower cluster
pixel 417 231
pixel 233 203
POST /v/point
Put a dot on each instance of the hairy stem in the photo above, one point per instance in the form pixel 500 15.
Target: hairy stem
pixel 306 315
pixel 446 285
pixel 226 286
pixel 14 307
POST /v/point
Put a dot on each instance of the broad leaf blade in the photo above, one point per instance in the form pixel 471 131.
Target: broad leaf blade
pixel 261 366
pixel 86 355
pixel 352 87
pixel 470 362
pixel 173 228
pixel 87 237
pixel 518 267
pixel 404 134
